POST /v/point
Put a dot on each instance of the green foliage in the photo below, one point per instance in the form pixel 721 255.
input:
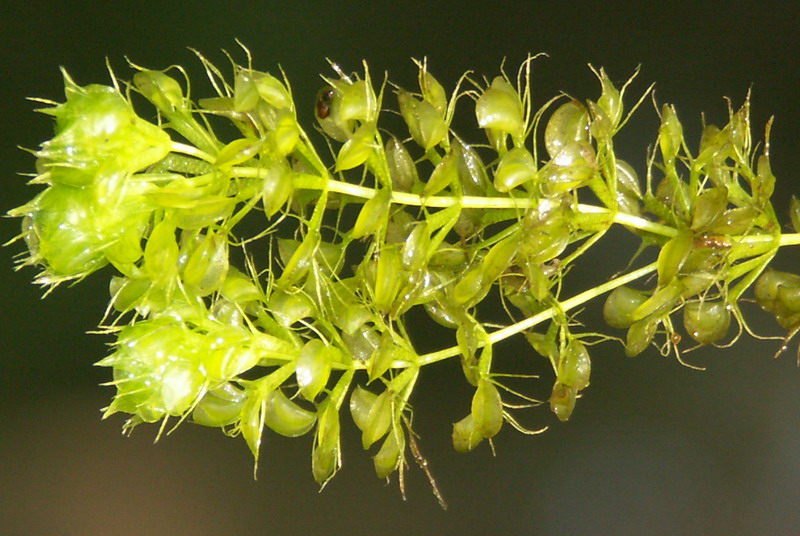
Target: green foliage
pixel 316 314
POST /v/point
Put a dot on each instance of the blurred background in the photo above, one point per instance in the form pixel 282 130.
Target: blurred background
pixel 653 447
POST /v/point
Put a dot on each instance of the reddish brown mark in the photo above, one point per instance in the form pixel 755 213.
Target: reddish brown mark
pixel 324 100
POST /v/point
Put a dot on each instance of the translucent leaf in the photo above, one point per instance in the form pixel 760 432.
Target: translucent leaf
pixel 287 418
pixel 466 435
pixel 487 409
pixel 313 368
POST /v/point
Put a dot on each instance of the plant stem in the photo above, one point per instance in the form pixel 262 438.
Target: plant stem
pixel 315 182
pixel 522 325
pixel 191 150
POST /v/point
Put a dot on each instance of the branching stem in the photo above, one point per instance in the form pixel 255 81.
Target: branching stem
pixel 538 318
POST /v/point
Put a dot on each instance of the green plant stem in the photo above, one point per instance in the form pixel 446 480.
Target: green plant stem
pixel 527 323
pixel 191 150
pixel 314 182
pixel 579 299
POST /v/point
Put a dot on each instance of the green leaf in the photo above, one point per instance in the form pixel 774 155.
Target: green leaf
pixel 314 368
pixel 287 418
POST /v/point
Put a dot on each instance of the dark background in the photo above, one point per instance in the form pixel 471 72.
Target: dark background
pixel 652 448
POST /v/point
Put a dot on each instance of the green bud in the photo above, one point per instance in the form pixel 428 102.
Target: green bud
pixel 285 134
pixel 387 278
pixel 383 357
pixel 466 435
pixel 444 174
pixel 60 228
pixel 441 314
pixel 468 335
pixel 373 215
pixel 610 100
pixel 251 422
pixel 390 456
pixel 673 255
pixel 126 247
pixel 360 339
pixel 706 321
pixel 415 248
pixel 542 245
pixel 674 196
pixel 771 286
pixel 424 122
pixel 640 334
pixel 219 407
pixel 378 420
pixel 628 204
pixel 470 286
pixel 660 302
pixel 432 91
pixel 516 167
pixel 207 263
pixel 285 417
pixel 670 134
pixel 273 91
pixel 562 401
pixel 739 128
pixel 134 398
pixel 161 254
pixel 545 232
pixel 627 180
pixel 127 293
pixel 569 170
pixel 245 91
pixel 498 258
pixel 328 116
pixel 543 344
pixel 620 305
pixel 538 281
pixel 181 384
pixel 414 290
pixel 600 126
pixel 229 354
pixel 357 102
pixel 697 282
pixel 314 368
pixel 568 124
pixel 499 108
pixel 329 258
pixel 191 206
pixel 160 89
pixel 575 366
pixel 708 207
pixel 402 169
pixel 735 221
pixel 98 134
pixel 487 409
pixel 789 297
pixel 714 146
pixel 471 170
pixel 157 369
pixel 290 308
pixel 238 288
pixel 361 402
pixel 357 149
pixel 448 259
pixel 278 187
pixel 298 258
pixel 764 181
pixel 325 458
